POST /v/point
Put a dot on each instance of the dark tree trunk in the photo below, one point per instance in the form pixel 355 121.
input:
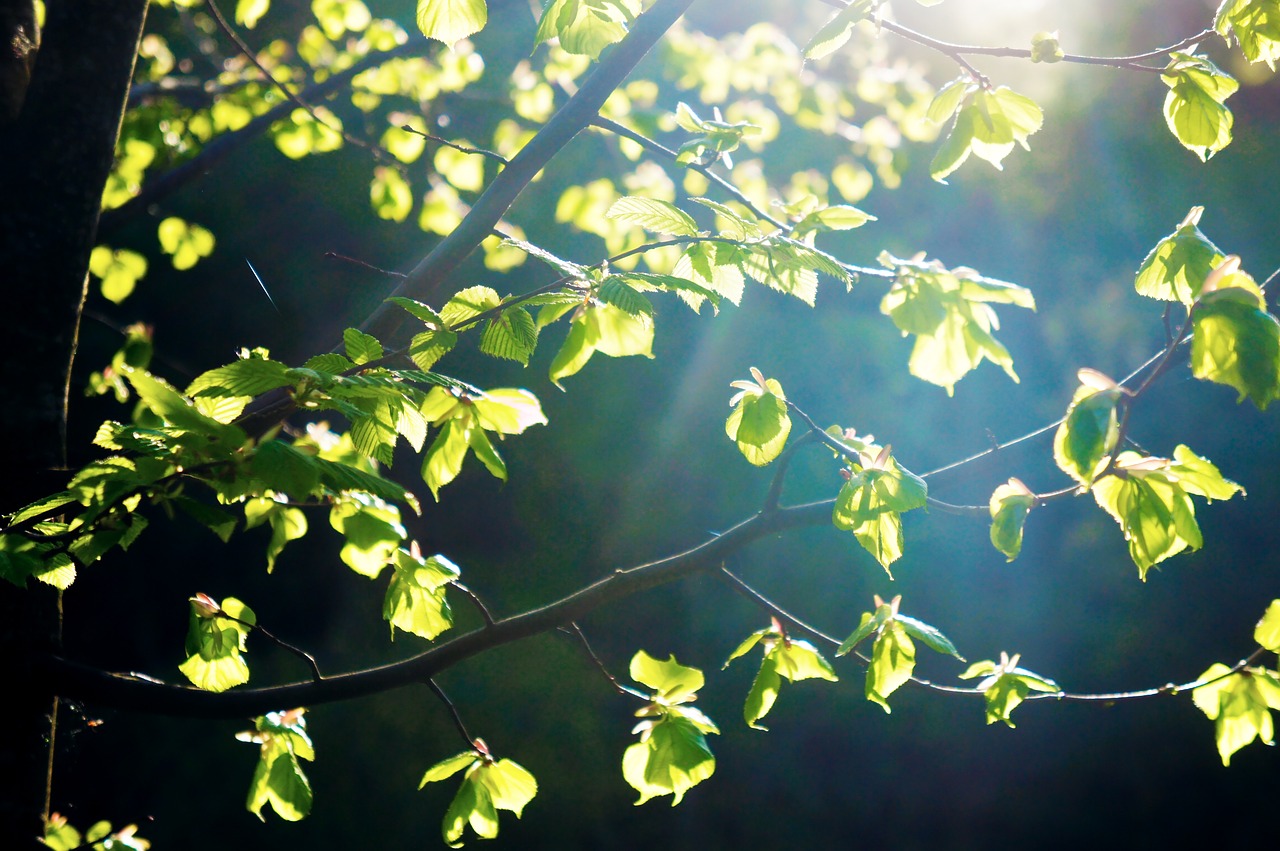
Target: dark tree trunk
pixel 54 160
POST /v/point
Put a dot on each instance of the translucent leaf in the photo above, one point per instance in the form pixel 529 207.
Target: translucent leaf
pixel 415 601
pixel 450 21
pixel 187 243
pixel 1267 632
pixel 1153 510
pixel 1194 107
pixel 390 194
pixel 930 635
pixel 1237 706
pixel 1255 25
pixel 1177 267
pixel 512 335
pixel 586 27
pixel 670 759
pixel 214 646
pixel 893 658
pixel 760 424
pixel 653 215
pixel 836 32
pixel 245 377
pixel 1237 343
pixel 372 531
pixel 1088 434
pixel 468 304
pixel 119 269
pixel 672 682
pixel 1010 503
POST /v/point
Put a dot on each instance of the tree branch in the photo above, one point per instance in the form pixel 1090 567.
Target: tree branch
pixel 431 273
pixel 123 691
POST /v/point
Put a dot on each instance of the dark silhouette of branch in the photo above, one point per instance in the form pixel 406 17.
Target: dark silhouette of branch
pixel 124 691
pixel 453 710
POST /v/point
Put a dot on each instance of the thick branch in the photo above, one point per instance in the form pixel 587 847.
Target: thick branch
pixel 432 272
pixel 82 682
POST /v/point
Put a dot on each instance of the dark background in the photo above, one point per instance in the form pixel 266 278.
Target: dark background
pixel 635 466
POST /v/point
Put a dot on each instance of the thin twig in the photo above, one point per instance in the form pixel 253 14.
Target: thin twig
pixel 333 255
pixel 657 147
pixel 475 601
pixel 443 141
pixel 453 711
pixel 774 494
pixel 575 630
pixel 316 676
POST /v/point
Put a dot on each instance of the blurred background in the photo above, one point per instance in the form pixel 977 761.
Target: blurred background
pixel 635 466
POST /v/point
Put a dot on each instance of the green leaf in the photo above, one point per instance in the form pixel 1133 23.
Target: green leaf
pixel 1010 503
pixel 468 304
pixel 760 423
pixel 1005 686
pixel 837 217
pixel 586 27
pixel 287 524
pixel 1240 706
pixel 671 682
pixel 419 310
pixel 119 269
pixel 671 757
pixel 489 785
pixel 893 658
pixel 836 32
pixel 1255 25
pixel 415 600
pixel 372 530
pixel 653 215
pixel 988 125
pixel 249 12
pixel 1267 632
pixel 949 314
pixel 427 348
pixel 166 403
pixel 1045 47
pixel 1149 499
pixel 187 243
pixel 871 502
pixel 784 657
pixel 215 643
pixel 450 21
pixel 390 194
pixel 278 779
pixel 246 377
pixel 361 348
pixel 930 635
pixel 1195 107
pixel 511 335
pixel 1236 342
pixel 1176 269
pixel 1087 436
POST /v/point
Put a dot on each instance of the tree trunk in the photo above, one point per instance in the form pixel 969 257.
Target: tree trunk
pixel 54 161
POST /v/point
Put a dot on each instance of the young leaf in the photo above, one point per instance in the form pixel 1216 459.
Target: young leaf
pixel 871 502
pixel 1005 685
pixel 949 313
pixel 488 785
pixel 586 27
pixel 278 779
pixel 1010 504
pixel 215 643
pixel 988 125
pixel 835 32
pixel 784 657
pixel 287 524
pixel 1150 499
pixel 1195 107
pixel 672 755
pixel 759 423
pixel 1267 632
pixel 372 530
pixel 1240 706
pixel 1235 341
pixel 1177 267
pixel 653 215
pixel 1088 433
pixel 450 21
pixel 415 600
pixel 1255 25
